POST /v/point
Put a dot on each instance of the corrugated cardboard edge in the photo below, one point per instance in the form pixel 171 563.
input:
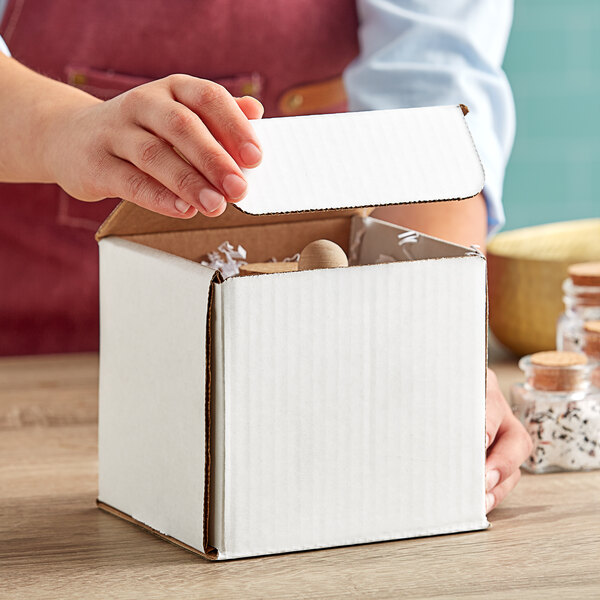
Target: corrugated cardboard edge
pixel 365 207
pixel 217 278
pixel 487 342
pixel 210 553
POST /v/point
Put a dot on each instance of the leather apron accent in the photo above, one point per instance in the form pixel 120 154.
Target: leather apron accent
pixel 290 55
pixel 313 98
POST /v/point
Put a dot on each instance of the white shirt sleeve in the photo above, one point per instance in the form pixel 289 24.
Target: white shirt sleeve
pixel 435 52
pixel 4 47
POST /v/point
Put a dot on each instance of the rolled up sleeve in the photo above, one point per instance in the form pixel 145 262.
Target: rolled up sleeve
pixel 4 47
pixel 436 52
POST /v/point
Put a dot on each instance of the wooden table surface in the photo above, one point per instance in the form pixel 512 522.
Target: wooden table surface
pixel 55 543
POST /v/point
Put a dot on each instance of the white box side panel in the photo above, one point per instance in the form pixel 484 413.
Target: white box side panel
pixel 354 405
pixel 152 387
pixel 363 159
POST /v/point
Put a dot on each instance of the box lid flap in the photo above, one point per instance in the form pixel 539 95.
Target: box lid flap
pixel 372 158
pixel 344 161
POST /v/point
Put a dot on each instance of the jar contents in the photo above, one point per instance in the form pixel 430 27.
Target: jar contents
pixel 582 303
pixel 560 409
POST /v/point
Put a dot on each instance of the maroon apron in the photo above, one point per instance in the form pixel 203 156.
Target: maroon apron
pixel 264 48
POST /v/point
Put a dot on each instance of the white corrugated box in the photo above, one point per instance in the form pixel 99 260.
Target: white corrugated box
pixel 292 411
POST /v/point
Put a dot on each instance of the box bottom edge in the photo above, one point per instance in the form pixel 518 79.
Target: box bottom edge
pixel 213 554
pixel 210 553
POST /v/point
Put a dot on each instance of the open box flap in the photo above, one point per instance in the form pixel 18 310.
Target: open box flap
pixel 372 158
pixel 335 162
pixel 130 219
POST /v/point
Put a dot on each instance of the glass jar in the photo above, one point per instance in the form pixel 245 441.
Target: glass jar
pixel 560 409
pixel 582 303
pixel 591 347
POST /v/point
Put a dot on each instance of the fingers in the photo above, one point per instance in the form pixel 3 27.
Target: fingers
pixel 493 498
pixel 158 159
pixel 196 138
pixel 128 182
pixel 509 450
pixel 496 408
pixel 184 130
pixel 251 107
pixel 508 445
pixel 219 111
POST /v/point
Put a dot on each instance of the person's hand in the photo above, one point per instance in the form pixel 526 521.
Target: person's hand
pixel 508 445
pixel 174 146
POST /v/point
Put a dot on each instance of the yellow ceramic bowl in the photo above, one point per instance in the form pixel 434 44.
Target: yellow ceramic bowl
pixel 526 271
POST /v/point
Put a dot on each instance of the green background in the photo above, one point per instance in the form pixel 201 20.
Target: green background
pixel 553 64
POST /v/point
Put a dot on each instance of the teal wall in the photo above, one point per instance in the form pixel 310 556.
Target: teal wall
pixel 553 64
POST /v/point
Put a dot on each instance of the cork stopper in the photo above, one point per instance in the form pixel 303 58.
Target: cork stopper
pixel 585 274
pixel 556 371
pixel 591 333
pixel 322 254
pixel 592 326
pixel 268 267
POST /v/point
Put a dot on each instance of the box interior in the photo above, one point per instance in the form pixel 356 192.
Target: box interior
pixel 262 242
pixel 364 239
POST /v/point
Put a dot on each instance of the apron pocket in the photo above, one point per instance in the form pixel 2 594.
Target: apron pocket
pixel 108 84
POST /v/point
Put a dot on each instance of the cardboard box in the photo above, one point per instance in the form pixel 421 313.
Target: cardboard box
pixel 283 412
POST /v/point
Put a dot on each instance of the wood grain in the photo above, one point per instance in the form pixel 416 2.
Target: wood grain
pixel 54 542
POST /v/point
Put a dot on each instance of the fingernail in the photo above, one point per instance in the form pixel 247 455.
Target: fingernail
pixel 487 440
pixel 491 479
pixel 211 200
pixel 489 502
pixel 234 186
pixel 250 153
pixel 181 205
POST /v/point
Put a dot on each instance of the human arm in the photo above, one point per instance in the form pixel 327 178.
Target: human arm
pixel 435 52
pixel 462 222
pixel 440 52
pixel 125 147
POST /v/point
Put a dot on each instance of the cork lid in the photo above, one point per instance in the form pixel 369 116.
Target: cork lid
pixel 592 326
pixel 585 274
pixel 556 371
pixel 555 358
